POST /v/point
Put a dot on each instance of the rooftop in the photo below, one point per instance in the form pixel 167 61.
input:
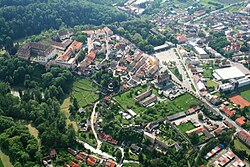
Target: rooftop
pixel 227 73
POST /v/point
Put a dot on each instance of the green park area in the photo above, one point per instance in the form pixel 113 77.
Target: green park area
pixel 241 147
pixel 185 127
pixel 183 102
pixel 85 91
pixel 211 83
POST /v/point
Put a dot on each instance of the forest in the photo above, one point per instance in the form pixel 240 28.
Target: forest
pixel 22 18
pixel 41 93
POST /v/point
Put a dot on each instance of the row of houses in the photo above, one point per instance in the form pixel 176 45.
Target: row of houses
pixel 88 159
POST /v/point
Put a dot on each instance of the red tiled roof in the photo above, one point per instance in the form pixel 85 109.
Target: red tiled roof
pixel 227 111
pixel 241 120
pixel 244 135
pixel 91 161
pixel 91 55
pixel 76 45
pixel 73 164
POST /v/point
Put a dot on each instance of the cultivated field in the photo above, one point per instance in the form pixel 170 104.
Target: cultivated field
pixel 238 100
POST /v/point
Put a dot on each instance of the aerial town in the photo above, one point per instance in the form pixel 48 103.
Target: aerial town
pixel 188 98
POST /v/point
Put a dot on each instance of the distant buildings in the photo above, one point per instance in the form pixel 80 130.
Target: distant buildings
pixel 43 53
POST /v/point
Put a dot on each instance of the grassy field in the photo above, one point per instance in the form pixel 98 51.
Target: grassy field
pixel 211 83
pixel 84 91
pixel 65 110
pixel 127 99
pixel 184 101
pixel 5 160
pixel 240 146
pixel 246 94
pixel 185 127
pixel 33 131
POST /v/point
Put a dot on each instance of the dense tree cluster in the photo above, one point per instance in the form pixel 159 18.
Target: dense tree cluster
pixel 39 103
pixel 26 18
pixel 218 42
pixel 19 143
pixel 139 32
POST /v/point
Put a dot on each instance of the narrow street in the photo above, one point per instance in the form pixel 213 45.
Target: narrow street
pixel 93 120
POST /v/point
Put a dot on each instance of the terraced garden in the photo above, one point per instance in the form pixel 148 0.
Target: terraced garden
pixel 85 91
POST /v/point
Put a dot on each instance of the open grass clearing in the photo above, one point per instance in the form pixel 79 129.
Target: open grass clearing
pixel 184 101
pixel 34 132
pixel 185 127
pixel 65 110
pixel 5 160
pixel 211 83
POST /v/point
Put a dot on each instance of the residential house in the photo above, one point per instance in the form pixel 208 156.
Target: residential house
pixel 241 120
pixel 229 113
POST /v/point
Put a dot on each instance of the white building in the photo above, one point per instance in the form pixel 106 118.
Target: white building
pixel 201 52
pixel 228 73
pixel 226 87
pixel 243 82
pixel 45 58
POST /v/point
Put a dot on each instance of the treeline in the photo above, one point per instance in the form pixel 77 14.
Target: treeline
pixel 38 103
pixel 18 2
pixel 109 2
pixel 24 20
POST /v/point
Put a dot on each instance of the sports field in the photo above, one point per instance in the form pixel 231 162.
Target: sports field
pixel 238 100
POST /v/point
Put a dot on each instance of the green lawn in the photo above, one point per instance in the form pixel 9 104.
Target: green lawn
pixel 246 94
pixel 185 127
pixel 184 101
pixel 84 90
pixel 127 99
pixel 211 83
pixel 240 146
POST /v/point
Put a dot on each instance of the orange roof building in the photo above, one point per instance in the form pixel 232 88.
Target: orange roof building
pixel 91 56
pixel 76 46
pixel 241 120
pixel 228 112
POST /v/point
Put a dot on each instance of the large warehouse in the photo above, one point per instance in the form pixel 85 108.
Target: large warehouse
pixel 228 73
